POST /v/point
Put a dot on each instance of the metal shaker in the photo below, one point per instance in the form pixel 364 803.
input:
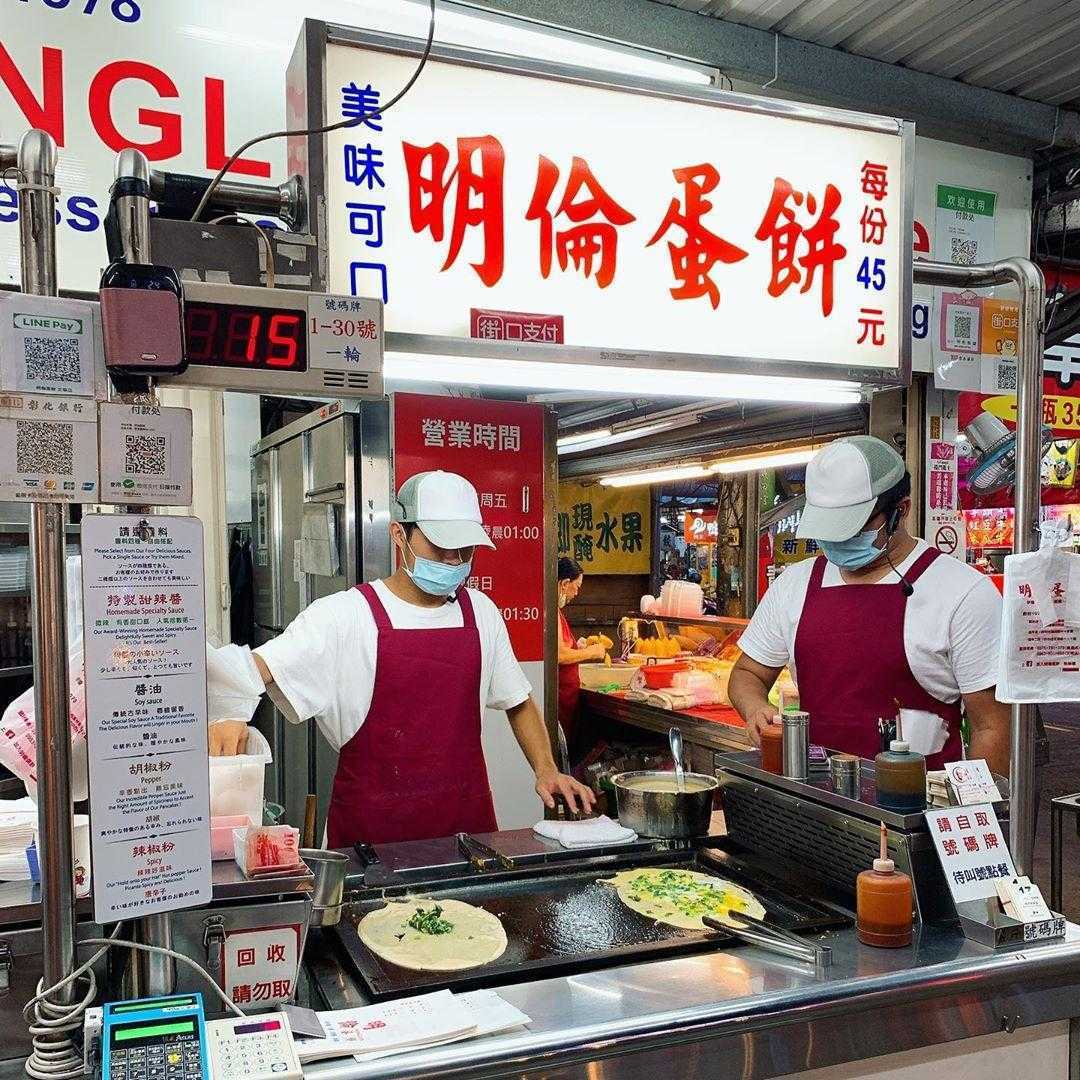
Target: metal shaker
pixel 796 747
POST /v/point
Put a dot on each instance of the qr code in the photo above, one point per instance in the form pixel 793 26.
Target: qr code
pixel 145 455
pixel 964 252
pixel 1006 377
pixel 961 327
pixel 44 447
pixel 54 359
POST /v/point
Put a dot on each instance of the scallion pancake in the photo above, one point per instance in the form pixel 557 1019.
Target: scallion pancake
pixel 681 897
pixel 433 935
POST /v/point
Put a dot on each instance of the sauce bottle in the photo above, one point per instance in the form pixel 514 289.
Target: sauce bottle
pixel 901 779
pixel 772 747
pixel 883 905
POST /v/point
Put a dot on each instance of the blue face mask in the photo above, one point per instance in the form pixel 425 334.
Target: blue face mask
pixel 861 550
pixel 437 578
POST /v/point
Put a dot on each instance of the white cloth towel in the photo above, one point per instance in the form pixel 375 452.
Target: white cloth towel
pixel 594 832
pixel 233 683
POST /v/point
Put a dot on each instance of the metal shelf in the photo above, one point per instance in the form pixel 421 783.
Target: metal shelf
pixel 16 669
pixel 19 527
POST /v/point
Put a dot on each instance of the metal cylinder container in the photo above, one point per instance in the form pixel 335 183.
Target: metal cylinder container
pixel 845 773
pixel 329 868
pixel 796 752
pixel 668 815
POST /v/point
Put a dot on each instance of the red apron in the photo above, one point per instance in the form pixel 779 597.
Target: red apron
pixel 415 770
pixel 569 684
pixel 852 668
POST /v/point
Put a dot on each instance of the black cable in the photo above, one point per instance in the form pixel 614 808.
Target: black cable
pixel 353 121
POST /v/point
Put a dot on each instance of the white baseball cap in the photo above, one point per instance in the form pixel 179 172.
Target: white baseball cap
pixel 843 483
pixel 444 507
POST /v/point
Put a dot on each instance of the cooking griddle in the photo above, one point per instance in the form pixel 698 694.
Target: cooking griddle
pixel 561 921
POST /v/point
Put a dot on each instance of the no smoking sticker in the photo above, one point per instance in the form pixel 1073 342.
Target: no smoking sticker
pixel 947 539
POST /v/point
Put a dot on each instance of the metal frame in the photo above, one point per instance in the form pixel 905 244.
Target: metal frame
pixel 1028 278
pixel 315 35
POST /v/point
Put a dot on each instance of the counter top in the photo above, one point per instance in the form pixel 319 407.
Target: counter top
pixel 761 1015
pixel 712 734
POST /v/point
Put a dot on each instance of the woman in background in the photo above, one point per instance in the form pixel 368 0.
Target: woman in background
pixel 570 574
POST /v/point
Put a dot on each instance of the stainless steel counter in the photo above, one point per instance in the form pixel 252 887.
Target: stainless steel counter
pixel 742 1012
pixel 707 734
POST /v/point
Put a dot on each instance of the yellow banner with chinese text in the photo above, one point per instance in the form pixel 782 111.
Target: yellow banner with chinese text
pixel 607 530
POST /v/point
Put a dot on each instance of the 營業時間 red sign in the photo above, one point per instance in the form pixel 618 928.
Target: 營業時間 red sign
pixel 498 446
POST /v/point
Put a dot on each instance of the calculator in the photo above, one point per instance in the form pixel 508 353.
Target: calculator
pixel 252 1048
pixel 154 1039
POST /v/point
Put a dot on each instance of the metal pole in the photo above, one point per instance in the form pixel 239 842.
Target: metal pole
pixel 750 543
pixel 37 243
pixel 154 974
pixel 132 198
pixel 1028 279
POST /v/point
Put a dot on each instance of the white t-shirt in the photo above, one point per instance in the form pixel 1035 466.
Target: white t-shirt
pixel 952 627
pixel 324 661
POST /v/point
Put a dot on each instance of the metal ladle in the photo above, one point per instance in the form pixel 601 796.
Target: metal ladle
pixel 675 739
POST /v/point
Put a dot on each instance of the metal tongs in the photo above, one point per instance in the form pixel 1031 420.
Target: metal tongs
pixel 480 854
pixel 757 932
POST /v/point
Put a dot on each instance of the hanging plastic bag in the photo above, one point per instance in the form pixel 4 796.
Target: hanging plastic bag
pixel 18 732
pixel 1040 623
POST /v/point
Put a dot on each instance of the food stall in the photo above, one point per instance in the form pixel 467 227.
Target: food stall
pixel 548 958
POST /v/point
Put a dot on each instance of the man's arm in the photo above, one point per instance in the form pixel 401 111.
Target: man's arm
pixel 532 737
pixel 991 727
pixel 227 738
pixel 748 691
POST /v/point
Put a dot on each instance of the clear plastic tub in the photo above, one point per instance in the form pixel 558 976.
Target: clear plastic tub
pixel 237 783
pixel 221 834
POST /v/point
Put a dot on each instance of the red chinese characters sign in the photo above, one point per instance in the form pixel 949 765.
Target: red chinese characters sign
pixel 692 227
pixel 498 446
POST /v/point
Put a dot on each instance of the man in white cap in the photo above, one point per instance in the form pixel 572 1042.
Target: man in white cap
pixel 398 672
pixel 883 621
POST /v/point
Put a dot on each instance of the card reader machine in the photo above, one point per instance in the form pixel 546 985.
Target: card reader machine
pixel 154 1039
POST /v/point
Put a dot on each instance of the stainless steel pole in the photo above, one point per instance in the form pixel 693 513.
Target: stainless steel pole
pixel 1028 279
pixel 153 974
pixel 37 240
pixel 133 204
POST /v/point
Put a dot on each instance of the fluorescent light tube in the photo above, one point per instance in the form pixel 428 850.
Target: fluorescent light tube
pixel 654 476
pixel 620 381
pixel 598 435
pixel 778 460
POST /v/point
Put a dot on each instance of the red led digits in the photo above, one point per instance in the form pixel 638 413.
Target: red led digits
pixel 226 335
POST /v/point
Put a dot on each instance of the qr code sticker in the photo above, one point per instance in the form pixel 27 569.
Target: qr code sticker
pixel 964 252
pixel 52 359
pixel 145 455
pixel 962 328
pixel 1006 377
pixel 45 448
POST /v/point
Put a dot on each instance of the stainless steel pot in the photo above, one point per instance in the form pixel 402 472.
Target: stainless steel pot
pixel 669 815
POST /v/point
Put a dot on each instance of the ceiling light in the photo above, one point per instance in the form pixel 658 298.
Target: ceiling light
pixel 778 460
pixel 583 437
pixel 623 381
pixel 654 476
pixel 598 439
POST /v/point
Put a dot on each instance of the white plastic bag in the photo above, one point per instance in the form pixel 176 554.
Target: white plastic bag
pixel 1040 638
pixel 233 684
pixel 18 732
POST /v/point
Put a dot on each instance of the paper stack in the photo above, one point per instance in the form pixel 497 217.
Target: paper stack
pixel 18 822
pixel 394 1027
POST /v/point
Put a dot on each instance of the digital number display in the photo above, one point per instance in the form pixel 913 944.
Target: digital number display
pixel 154 1030
pixel 228 335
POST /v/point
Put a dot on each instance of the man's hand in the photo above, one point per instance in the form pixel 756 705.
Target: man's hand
pixel 759 719
pixel 228 738
pixel 577 796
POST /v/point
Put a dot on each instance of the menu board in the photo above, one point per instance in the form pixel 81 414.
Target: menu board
pixel 145 644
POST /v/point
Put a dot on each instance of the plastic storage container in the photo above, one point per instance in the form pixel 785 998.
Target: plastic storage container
pixel 221 834
pixel 237 783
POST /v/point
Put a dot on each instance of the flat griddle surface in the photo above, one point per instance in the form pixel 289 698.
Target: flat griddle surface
pixel 566 921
